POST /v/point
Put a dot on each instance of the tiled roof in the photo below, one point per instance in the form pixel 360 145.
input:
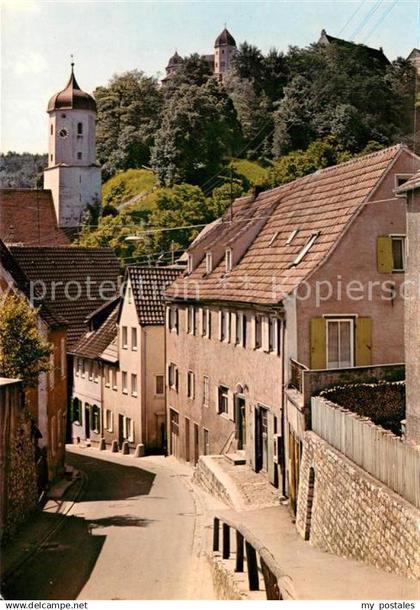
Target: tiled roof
pixel 27 218
pixel 149 285
pixel 76 280
pixel 94 342
pixel 8 262
pixel 321 203
pixel 374 53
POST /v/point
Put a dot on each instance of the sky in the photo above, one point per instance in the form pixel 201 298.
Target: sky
pixel 109 37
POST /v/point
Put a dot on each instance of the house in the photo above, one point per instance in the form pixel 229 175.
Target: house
pixel 302 276
pixel 414 58
pixel 47 403
pixel 119 366
pixel 411 189
pixel 18 473
pixel 376 55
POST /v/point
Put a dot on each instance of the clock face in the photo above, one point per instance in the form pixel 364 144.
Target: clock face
pixel 63 133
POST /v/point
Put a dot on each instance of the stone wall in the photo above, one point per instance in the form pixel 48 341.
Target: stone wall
pixel 349 513
pixel 17 456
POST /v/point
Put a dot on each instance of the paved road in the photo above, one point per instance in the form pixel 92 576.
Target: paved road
pixel 134 533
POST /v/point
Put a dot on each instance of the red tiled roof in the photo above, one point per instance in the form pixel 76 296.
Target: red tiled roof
pixel 76 280
pixel 321 203
pixel 27 218
pixel 94 342
pixel 149 285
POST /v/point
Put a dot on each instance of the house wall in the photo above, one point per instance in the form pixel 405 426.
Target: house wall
pixel 57 402
pixel 252 372
pixel 412 320
pixel 18 480
pixel 345 511
pixel 153 404
pixel 87 389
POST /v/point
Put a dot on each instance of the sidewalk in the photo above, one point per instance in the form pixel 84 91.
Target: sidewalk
pixel 313 574
pixel 42 523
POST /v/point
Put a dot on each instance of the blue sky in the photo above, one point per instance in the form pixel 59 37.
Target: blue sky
pixel 111 37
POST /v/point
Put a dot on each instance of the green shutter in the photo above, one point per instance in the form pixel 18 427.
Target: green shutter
pixel 363 341
pixel 384 258
pixel 318 344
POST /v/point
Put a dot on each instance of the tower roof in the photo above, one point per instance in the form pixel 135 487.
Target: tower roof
pixel 72 97
pixel 175 60
pixel 225 38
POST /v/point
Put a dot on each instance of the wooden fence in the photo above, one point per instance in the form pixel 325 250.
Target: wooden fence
pixel 376 450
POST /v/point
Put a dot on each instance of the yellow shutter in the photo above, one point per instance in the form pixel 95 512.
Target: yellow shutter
pixel 363 341
pixel 384 258
pixel 318 344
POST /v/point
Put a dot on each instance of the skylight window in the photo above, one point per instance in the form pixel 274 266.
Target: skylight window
pixel 272 240
pixel 305 249
pixel 292 236
pixel 209 262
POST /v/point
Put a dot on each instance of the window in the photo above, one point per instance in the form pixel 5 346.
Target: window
pixel 76 367
pixel 209 262
pixel 173 377
pixel 206 390
pixel 400 179
pixel 134 339
pixel 76 410
pixel 124 339
pixel 51 129
pixel 90 370
pixel 398 253
pixel 124 382
pixel 114 379
pixel 292 236
pixel 96 372
pixel 51 157
pixel 107 376
pixel 191 320
pixel 189 263
pixel 273 325
pixel 305 249
pixel 224 325
pixel 83 368
pixel 128 429
pixel 109 420
pixel 258 332
pixel 133 384
pixel 244 328
pixel 222 399
pixel 340 345
pixel 206 442
pixel 79 155
pixel 159 386
pixel 206 323
pixel 239 328
pixel 173 318
pixel 129 298
pixel 79 129
pixel 190 384
pixel 228 260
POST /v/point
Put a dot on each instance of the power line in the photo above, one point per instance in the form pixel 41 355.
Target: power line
pixel 385 14
pixel 367 18
pixel 352 16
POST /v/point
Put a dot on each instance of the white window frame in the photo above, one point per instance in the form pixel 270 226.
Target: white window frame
pixel 134 385
pixel 259 324
pixel 352 338
pixel 90 370
pixel 163 385
pixel 134 344
pixel 114 379
pixel 273 341
pixel 124 382
pixel 304 251
pixel 226 395
pixel 107 375
pixel 396 185
pixel 189 263
pixel 206 390
pixel 228 259
pixel 129 295
pixel 124 337
pixel 190 385
pixel 128 429
pixel 109 420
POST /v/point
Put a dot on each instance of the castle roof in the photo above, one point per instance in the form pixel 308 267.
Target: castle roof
pixel 225 38
pixel 175 60
pixel 378 54
pixel 72 97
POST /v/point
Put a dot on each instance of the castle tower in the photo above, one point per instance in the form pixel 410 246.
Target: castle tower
pixel 72 174
pixel 224 51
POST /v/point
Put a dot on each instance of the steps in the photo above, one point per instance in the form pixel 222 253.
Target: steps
pixel 237 458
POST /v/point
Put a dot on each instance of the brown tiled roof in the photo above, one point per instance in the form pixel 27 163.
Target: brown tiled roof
pixel 225 38
pixel 63 272
pixel 27 217
pixel 377 54
pixel 149 285
pixel 321 203
pixel 94 342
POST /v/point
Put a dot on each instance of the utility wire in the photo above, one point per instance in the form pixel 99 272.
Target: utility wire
pixel 385 14
pixel 352 16
pixel 367 18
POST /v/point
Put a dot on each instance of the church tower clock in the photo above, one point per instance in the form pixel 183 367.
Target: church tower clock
pixel 72 175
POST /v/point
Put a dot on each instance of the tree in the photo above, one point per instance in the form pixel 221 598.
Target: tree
pixel 199 129
pixel 194 70
pixel 128 116
pixel 23 352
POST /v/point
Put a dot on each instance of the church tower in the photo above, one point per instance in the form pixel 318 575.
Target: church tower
pixel 72 174
pixel 224 51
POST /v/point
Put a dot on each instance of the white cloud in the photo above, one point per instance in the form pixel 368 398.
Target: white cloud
pixel 31 63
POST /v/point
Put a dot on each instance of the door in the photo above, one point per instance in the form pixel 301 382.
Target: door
pixel 87 422
pixel 187 439
pixel 240 418
pixel 120 430
pixel 174 432
pixel 261 438
pixel 196 444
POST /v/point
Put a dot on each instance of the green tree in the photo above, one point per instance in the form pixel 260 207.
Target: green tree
pixel 129 110
pixel 199 129
pixel 24 354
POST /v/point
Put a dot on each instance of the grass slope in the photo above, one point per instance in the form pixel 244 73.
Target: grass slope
pixel 130 183
pixel 255 173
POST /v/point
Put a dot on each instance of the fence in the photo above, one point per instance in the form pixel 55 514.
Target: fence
pixel 379 452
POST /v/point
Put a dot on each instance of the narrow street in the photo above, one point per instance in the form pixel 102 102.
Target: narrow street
pixel 134 532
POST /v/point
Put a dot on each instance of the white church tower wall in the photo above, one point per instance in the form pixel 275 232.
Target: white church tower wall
pixel 72 175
